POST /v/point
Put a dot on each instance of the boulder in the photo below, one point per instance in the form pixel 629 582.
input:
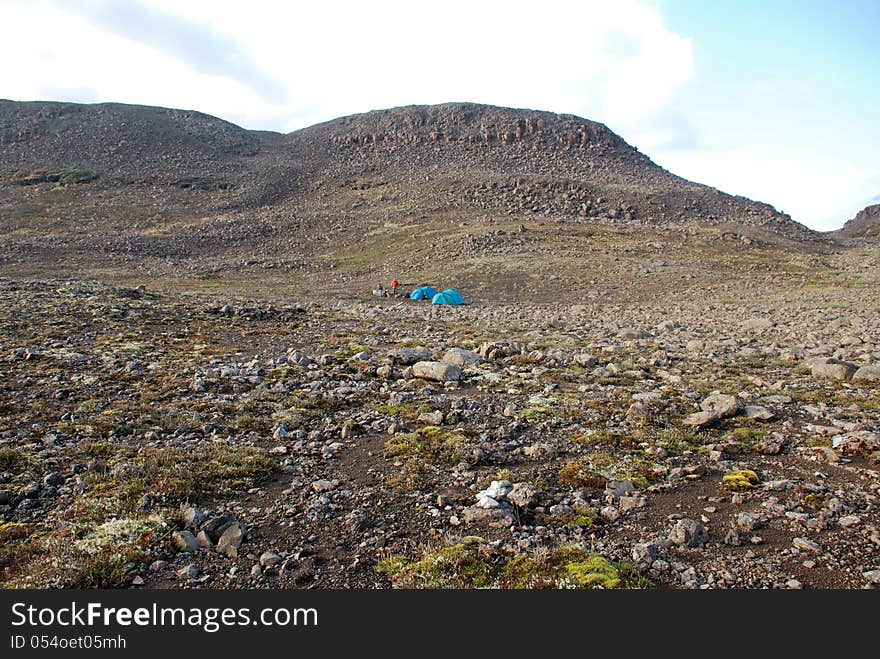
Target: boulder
pixel 231 540
pixel 524 495
pixel 436 371
pixel 832 369
pixel 867 373
pixel 499 518
pixel 409 356
pixel 461 357
pixel 688 533
pixel 723 405
pixel 700 419
pixel 185 541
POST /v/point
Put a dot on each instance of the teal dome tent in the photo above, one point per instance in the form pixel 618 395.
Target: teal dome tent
pixel 449 296
pixel 423 293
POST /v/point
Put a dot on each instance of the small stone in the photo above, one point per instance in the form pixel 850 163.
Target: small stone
pixel 688 533
pixel 431 418
pixel 848 521
pixel 627 503
pixel 872 577
pixel 436 371
pixel 524 495
pixel 190 571
pixel 794 583
pixel 185 541
pixel 322 485
pixel 192 517
pixel 806 545
pixel 137 581
pixel 231 540
pixel 256 571
pixel 269 559
pixel 158 566
pixel 746 522
pixel 723 405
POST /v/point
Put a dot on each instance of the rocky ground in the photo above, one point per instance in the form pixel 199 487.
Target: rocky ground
pixel 165 440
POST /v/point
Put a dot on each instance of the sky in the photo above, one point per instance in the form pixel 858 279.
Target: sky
pixel 776 100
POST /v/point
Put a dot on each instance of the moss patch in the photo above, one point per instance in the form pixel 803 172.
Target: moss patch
pixel 472 564
pixel 741 479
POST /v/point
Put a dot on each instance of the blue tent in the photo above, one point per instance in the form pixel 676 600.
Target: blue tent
pixel 449 296
pixel 423 293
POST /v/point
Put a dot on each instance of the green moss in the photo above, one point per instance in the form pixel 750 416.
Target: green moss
pixel 582 520
pixel 98 449
pixel 184 474
pixel 12 459
pixel 580 474
pixel 741 479
pixel 678 441
pixel 593 470
pixel 431 443
pixel 747 435
pixel 471 564
pixel 458 566
pixel 569 567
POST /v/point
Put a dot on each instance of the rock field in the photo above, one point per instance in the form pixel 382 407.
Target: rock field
pixel 164 440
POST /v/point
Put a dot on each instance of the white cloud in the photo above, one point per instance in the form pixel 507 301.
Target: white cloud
pixel 822 198
pixel 611 62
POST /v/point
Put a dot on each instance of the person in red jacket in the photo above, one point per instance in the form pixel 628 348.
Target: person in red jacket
pixel 394 286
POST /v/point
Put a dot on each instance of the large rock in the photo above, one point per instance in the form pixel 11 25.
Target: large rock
pixel 586 360
pixel 867 373
pixel 524 495
pixel 688 533
pixel 437 371
pixel 724 405
pixel 461 357
pixel 832 369
pixel 409 356
pixel 499 518
pixel 231 540
pixel 700 419
pixel 758 412
pixel 185 541
pixel 192 517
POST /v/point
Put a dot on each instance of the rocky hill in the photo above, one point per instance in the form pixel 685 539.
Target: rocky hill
pixel 866 224
pixel 176 193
